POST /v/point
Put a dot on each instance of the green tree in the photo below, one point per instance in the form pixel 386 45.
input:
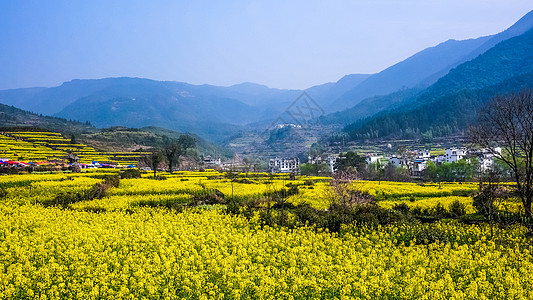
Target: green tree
pixel 350 159
pixel 174 149
pixel 316 153
pixel 156 158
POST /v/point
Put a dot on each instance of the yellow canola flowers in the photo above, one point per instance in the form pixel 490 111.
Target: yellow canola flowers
pixel 432 203
pixel 49 253
pixel 390 189
pixel 118 248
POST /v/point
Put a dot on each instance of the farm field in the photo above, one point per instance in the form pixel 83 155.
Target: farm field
pixel 143 239
pixel 34 146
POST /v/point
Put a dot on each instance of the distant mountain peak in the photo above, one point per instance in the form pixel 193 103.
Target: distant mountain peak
pixel 249 84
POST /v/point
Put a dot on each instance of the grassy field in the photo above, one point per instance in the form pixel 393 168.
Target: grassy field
pixel 141 240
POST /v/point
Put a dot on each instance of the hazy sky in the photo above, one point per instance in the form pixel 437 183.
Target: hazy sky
pixel 284 44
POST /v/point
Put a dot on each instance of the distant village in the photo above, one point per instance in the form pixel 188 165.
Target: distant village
pixel 415 162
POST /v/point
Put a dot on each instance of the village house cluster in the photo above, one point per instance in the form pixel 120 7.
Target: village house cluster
pixel 416 161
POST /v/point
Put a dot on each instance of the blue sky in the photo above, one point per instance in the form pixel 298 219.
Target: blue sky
pixel 283 44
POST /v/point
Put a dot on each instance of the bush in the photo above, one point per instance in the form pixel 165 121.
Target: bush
pixel 401 207
pixel 245 205
pixel 440 210
pixel 207 197
pixel 457 208
pixel 424 234
pixel 130 173
pixel 308 215
pixel 417 211
pixel 64 199
pixel 3 193
pixel 243 180
pixel 99 190
pixel 112 180
pixel 309 182
pixel 429 234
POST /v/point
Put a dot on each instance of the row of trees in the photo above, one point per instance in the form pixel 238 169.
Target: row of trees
pixel 171 151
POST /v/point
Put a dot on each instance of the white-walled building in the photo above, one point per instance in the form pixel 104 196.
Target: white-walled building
pixel 455 154
pixel 373 158
pixel 210 161
pixel 486 159
pixel 418 166
pixel 424 153
pixel 397 161
pixel 284 165
pixel 332 160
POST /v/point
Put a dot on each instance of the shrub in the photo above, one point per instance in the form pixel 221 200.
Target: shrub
pixel 130 173
pixel 99 190
pixel 430 234
pixel 64 199
pixel 112 180
pixel 207 197
pixel 401 207
pixel 243 180
pixel 3 193
pixel 309 182
pixel 308 215
pixel 457 208
pixel 440 210
pixel 417 211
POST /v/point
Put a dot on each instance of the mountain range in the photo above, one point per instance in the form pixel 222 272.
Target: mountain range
pixel 451 104
pixel 435 81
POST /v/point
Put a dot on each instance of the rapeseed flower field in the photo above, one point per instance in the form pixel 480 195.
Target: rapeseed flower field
pixel 118 247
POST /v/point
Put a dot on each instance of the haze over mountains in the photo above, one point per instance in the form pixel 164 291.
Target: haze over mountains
pixel 453 72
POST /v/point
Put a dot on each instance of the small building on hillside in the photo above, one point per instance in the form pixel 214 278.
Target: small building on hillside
pixel 211 162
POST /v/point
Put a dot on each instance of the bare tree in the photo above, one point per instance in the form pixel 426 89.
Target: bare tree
pixel 505 129
pixel 344 189
pixel 489 197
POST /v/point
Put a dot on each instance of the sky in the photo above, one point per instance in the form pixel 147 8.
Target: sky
pixel 282 44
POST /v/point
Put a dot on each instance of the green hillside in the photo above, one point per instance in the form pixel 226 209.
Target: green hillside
pixel 109 139
pixel 451 104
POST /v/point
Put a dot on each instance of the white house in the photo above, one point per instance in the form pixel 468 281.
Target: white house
pixel 418 166
pixel 332 160
pixel 397 161
pixel 486 159
pixel 424 153
pixel 210 161
pixel 455 154
pixel 373 158
pixel 284 165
